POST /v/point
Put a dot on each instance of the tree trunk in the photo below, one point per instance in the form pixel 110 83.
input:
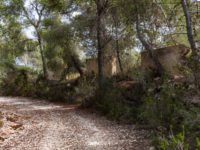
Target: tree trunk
pixel 44 64
pixel 99 42
pixel 160 68
pixel 117 47
pixel 118 54
pixel 77 65
pixel 191 40
pixel 64 73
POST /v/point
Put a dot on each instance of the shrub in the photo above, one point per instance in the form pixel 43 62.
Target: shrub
pixel 109 100
pixel 18 85
pixel 174 142
pixel 197 142
pixel 162 108
pixel 22 84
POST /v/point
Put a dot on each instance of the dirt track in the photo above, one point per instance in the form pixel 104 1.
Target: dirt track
pixel 30 124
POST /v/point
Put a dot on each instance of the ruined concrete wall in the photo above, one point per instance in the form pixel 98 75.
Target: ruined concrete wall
pixel 91 66
pixel 170 58
pixel 110 66
pixel 53 76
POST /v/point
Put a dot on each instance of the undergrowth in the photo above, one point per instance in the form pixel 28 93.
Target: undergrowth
pixel 175 122
pixel 24 84
pixel 158 104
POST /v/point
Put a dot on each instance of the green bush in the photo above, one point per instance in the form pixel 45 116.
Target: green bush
pixel 18 85
pixel 23 84
pixel 178 141
pixel 197 142
pixel 109 100
pixel 174 142
pixel 163 108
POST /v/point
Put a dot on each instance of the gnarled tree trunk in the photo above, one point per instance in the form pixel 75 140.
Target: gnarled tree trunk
pixel 77 65
pixel 191 40
pixel 160 68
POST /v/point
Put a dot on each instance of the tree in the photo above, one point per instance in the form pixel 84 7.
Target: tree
pixel 84 28
pixel 140 13
pixel 166 19
pixel 36 22
pixel 115 17
pixel 61 49
pixel 101 39
pixel 13 44
pixel 191 39
pixel 101 6
pixel 161 70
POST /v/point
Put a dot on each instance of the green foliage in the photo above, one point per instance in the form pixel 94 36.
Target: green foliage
pixel 176 142
pixel 19 82
pixel 109 100
pixel 23 82
pixel 162 109
pixel 13 43
pixel 132 59
pixel 53 92
pixel 162 23
pixel 198 143
pixel 62 6
pixel 61 51
pixel 163 106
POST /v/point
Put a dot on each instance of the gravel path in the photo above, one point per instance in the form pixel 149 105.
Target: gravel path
pixel 30 124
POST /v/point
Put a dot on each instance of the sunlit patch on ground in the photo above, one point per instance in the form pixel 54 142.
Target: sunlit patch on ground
pixel 39 125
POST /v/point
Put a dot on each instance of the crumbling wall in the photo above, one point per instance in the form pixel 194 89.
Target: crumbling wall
pixel 110 66
pixel 170 58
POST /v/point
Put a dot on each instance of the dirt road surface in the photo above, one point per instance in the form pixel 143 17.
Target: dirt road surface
pixel 30 124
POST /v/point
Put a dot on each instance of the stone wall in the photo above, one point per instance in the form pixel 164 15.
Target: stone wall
pixel 110 66
pixel 170 58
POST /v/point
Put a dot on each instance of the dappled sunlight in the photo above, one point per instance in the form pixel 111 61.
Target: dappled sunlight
pixel 99 74
pixel 23 105
pixel 94 143
pixel 34 107
pixel 51 107
pixel 43 125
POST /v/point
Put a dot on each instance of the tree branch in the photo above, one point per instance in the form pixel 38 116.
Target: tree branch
pixel 27 16
pixel 147 46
